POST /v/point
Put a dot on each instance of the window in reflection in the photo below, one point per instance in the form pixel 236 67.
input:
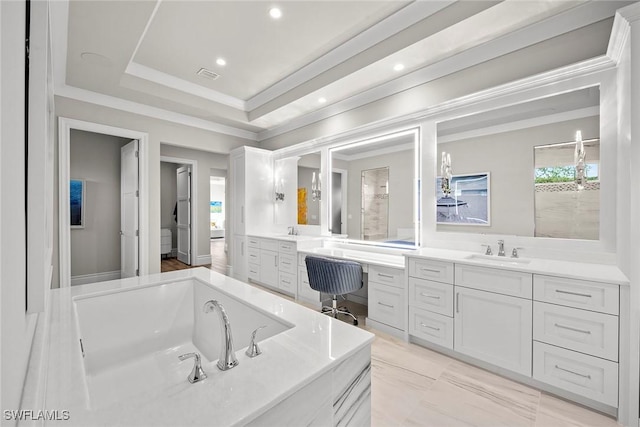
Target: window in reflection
pixel 375 204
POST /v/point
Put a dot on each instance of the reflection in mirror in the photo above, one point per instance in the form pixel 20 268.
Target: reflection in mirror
pixel 308 206
pixel 374 193
pixel 564 208
pixel 501 143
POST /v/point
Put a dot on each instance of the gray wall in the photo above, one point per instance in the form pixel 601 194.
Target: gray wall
pixel 401 175
pixel 96 159
pixel 206 162
pixel 168 199
pixel 508 157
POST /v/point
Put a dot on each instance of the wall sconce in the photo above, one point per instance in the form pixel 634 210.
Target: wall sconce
pixel 579 161
pixel 279 192
pixel 445 172
pixel 316 187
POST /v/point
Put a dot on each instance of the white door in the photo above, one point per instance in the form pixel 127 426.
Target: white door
pixel 129 209
pixel 184 214
pixel 494 328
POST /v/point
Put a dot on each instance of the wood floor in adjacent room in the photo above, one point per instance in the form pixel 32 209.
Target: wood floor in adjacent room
pixel 414 386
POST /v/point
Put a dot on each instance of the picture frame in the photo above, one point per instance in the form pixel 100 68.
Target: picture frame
pixel 77 198
pixel 469 202
pixel 215 207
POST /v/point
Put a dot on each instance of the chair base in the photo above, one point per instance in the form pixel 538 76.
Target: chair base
pixel 335 310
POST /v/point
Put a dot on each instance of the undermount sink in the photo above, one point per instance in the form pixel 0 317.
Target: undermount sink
pixel 498 260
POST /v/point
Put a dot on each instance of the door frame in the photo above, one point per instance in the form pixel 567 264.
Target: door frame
pixel 194 202
pixel 64 230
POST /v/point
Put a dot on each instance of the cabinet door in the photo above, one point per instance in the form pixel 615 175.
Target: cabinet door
pixel 237 195
pixel 239 261
pixel 269 268
pixel 494 328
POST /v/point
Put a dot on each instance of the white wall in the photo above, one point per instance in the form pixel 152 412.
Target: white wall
pixel 16 326
pixel 168 199
pixel 206 162
pixel 509 158
pixel 95 158
pixel 160 132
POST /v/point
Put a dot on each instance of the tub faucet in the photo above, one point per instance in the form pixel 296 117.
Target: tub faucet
pixel 500 247
pixel 227 358
pixel 197 374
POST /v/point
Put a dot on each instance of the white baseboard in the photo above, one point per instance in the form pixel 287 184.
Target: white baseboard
pixel 92 278
pixel 202 260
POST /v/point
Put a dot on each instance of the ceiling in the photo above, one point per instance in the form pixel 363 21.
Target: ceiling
pixel 143 56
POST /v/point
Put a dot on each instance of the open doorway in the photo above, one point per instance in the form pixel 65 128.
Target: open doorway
pixel 177 207
pixel 217 214
pixel 136 256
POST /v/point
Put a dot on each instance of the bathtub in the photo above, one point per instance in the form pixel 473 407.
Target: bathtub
pixel 125 335
pixel 108 354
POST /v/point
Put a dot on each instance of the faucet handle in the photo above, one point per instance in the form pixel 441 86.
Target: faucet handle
pixel 253 350
pixel 197 374
pixel 488 251
pixel 514 252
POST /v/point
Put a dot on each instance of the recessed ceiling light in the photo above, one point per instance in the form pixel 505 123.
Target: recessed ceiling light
pixel 275 13
pixel 322 100
pixel 398 67
pixel 221 62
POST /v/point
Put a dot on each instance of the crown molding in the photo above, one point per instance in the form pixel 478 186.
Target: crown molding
pixel 84 95
pixel 621 30
pixel 567 21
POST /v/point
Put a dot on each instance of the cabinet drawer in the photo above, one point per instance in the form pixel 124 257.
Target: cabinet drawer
pixel 584 331
pixel 287 247
pixel 386 305
pixel 304 289
pixel 254 255
pixel 269 245
pixel 433 296
pixel 440 271
pixel 495 280
pixel 253 242
pixel 431 327
pixel 387 276
pixel 254 272
pixel 588 376
pixel 287 282
pixel 288 263
pixel 602 297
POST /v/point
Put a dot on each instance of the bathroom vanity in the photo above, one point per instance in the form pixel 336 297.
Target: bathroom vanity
pixel 111 357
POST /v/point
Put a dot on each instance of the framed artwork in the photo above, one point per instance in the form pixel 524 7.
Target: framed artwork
pixel 468 203
pixel 77 193
pixel 215 207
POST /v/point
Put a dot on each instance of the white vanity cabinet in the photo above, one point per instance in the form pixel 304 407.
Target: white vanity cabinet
pixel 576 336
pixel 305 293
pixel 386 297
pixel 431 301
pixel 272 263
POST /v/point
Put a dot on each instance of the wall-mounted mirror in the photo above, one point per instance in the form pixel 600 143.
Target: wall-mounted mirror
pixel 527 152
pixel 373 186
pixel 309 191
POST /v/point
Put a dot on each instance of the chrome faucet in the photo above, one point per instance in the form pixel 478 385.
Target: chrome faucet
pixel 197 374
pixel 227 358
pixel 500 247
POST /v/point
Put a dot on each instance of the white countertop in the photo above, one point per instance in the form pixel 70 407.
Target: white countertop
pixel 576 270
pixel 289 237
pixel 368 257
pixel 290 360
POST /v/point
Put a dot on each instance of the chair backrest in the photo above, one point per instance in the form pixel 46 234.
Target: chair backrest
pixel 333 276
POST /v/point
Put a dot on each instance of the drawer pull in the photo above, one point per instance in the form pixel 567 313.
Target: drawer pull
pixel 285 262
pixel 286 281
pixel 386 305
pixel 430 270
pixel 429 296
pixel 560 291
pixel 574 373
pixel 557 325
pixel 388 276
pixel 430 327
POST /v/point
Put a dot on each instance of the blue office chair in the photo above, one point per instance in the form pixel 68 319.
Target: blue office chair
pixel 335 277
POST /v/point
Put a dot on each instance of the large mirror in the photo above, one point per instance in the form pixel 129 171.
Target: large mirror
pixel 309 192
pixel 531 169
pixel 373 193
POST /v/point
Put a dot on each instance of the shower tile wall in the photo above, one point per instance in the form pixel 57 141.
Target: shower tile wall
pixel 375 204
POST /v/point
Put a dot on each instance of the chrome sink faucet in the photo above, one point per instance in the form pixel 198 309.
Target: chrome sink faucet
pixel 500 247
pixel 227 358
